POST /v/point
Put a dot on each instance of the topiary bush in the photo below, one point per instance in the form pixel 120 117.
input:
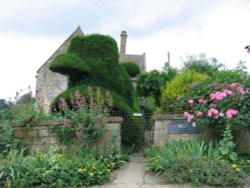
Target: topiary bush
pixel 132 68
pixel 92 61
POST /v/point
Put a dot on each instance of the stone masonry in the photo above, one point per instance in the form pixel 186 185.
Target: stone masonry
pixel 38 137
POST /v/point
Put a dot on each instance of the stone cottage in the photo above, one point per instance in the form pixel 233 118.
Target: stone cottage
pixel 50 84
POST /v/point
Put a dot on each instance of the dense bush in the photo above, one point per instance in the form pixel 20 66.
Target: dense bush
pixel 132 68
pixel 87 116
pixel 7 139
pixel 195 161
pixel 180 84
pixel 202 170
pixel 100 55
pixel 149 84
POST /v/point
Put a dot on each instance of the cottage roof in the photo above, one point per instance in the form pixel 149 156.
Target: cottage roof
pixel 64 46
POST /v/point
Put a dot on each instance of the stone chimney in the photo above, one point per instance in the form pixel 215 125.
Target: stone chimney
pixel 123 45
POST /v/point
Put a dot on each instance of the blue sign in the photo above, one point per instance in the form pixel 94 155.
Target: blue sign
pixel 181 126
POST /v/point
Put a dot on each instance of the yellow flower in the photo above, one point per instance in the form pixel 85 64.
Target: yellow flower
pixel 59 155
pixel 108 169
pixel 80 170
pixel 234 165
pixel 91 174
pixel 93 167
pixel 100 173
pixel 237 169
pixel 248 161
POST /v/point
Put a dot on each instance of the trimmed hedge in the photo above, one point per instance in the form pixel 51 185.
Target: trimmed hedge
pixel 131 67
pixel 93 61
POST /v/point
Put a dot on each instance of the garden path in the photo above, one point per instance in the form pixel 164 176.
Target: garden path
pixel 133 175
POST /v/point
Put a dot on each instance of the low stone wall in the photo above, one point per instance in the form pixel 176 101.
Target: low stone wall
pixel 37 137
pixel 161 133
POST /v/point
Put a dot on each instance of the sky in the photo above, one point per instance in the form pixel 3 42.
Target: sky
pixel 32 30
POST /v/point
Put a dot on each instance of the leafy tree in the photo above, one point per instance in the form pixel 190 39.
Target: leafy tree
pixel 151 83
pixel 201 64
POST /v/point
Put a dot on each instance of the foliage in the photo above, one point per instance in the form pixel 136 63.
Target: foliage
pixel 180 84
pixel 24 113
pixel 87 116
pixel 3 104
pixel 150 83
pixel 215 105
pixel 160 158
pixel 57 168
pixel 70 64
pixel 229 76
pixel 227 146
pixel 95 47
pixel 100 54
pixel 202 64
pixel 5 114
pixel 202 170
pixel 132 68
pixel 7 139
pixel 244 164
pixel 220 108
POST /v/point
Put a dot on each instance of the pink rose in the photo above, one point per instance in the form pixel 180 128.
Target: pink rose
pixel 190 117
pixel 191 101
pixel 199 113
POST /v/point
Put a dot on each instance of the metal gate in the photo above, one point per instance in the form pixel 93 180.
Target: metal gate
pixel 137 130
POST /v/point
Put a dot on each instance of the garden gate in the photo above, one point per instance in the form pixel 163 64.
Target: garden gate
pixel 137 129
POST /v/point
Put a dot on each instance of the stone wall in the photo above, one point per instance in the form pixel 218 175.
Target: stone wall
pixel 37 137
pixel 161 134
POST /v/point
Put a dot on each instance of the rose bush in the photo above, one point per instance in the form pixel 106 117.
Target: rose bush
pixel 217 105
pixel 220 108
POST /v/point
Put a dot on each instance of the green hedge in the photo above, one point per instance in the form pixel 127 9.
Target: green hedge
pixel 93 61
pixel 95 47
pixel 131 67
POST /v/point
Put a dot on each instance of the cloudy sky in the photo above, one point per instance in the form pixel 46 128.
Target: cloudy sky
pixel 31 30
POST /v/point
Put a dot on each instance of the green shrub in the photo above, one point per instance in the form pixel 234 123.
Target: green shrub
pixel 5 114
pixel 202 170
pixel 58 168
pixel 7 139
pixel 87 115
pixel 180 84
pixel 95 47
pixel 160 158
pixel 98 55
pixel 132 68
pixel 70 64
